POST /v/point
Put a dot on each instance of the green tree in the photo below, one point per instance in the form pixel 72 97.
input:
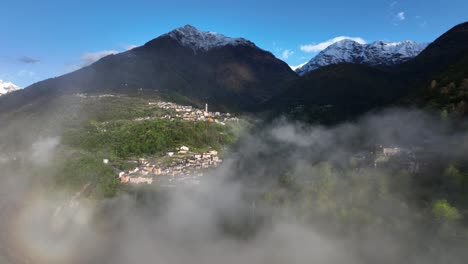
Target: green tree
pixel 453 175
pixel 443 211
pixel 444 114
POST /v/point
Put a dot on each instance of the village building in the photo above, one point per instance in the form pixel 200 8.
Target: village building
pixel 391 151
pixel 183 170
pixel 184 148
pixel 189 113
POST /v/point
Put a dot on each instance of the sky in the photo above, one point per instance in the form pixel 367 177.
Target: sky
pixel 48 38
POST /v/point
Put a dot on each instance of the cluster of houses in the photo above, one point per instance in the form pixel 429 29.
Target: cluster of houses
pixel 184 168
pixel 405 156
pixel 408 158
pixel 190 113
pixel 82 95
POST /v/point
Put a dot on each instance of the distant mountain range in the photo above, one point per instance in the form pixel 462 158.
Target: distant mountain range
pixel 7 87
pixel 378 53
pixel 202 67
pixel 437 78
pixel 233 74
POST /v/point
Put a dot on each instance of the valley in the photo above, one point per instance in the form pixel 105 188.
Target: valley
pixel 197 147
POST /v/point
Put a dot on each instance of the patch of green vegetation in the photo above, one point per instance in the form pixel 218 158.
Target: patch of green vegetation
pixel 382 159
pixel 80 168
pixel 117 107
pixel 444 211
pixel 446 92
pixel 125 165
pixel 353 199
pixel 93 127
pixel 122 139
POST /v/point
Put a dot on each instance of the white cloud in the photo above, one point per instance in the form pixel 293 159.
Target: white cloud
pixel 130 46
pixel 421 21
pixel 89 58
pixel 323 45
pixel 286 54
pixel 400 16
pixel 26 73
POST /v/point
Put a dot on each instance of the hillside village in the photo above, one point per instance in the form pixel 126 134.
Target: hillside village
pixel 189 113
pixel 410 159
pixel 183 167
pixel 177 168
pixel 180 167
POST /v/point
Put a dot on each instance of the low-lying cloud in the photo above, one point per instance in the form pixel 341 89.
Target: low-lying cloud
pixel 239 214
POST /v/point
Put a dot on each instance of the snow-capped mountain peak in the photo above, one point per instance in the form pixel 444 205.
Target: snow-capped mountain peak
pixel 406 48
pixel 196 39
pixel 374 54
pixel 295 67
pixel 7 87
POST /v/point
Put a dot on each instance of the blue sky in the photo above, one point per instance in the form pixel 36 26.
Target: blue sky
pixel 47 38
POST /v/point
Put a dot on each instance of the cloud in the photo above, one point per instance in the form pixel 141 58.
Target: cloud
pixel 421 21
pixel 393 4
pixel 42 150
pixel 26 73
pixel 91 57
pixel 28 60
pixel 400 16
pixel 323 45
pixel 286 54
pixel 130 46
pixel 306 199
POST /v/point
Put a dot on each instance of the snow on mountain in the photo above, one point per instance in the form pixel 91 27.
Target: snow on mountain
pixel 7 87
pixel 195 39
pixel 294 68
pixel 374 54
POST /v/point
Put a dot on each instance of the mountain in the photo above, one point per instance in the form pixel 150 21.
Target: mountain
pixel 337 92
pixel 441 72
pixel 437 77
pixel 190 37
pixel 294 68
pixel 7 87
pixel 378 53
pixel 233 74
pixel 440 54
pixel 203 67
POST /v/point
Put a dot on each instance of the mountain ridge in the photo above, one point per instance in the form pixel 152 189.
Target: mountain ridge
pixel 244 78
pixel 377 53
pixel 193 38
pixel 434 79
pixel 228 73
